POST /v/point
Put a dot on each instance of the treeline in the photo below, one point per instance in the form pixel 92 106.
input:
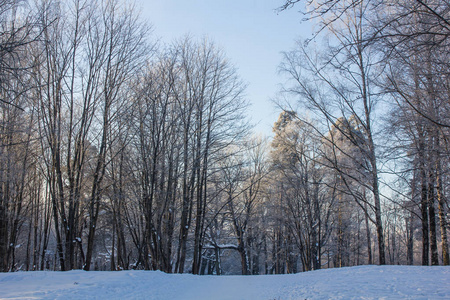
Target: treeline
pixel 375 79
pixel 118 152
pixel 108 142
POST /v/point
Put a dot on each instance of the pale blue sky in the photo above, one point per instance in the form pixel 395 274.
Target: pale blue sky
pixel 251 33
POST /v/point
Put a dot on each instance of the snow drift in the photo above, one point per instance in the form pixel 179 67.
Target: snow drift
pixel 363 282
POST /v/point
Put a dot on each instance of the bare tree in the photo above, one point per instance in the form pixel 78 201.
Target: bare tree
pixel 82 73
pixel 17 120
pixel 354 95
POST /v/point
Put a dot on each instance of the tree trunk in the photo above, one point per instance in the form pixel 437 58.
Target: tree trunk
pixel 442 217
pixel 432 219
pixel 369 242
pixel 410 240
pixel 424 219
pixel 441 207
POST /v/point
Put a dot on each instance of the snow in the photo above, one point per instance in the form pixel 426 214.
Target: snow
pixel 363 282
pixel 221 246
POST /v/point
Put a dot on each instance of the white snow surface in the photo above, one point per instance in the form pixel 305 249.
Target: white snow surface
pixel 363 282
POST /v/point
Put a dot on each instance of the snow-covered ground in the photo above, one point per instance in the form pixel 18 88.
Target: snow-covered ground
pixel 364 282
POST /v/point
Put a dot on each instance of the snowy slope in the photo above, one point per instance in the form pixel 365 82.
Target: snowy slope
pixel 364 282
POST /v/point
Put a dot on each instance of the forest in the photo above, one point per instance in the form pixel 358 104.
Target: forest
pixel 119 152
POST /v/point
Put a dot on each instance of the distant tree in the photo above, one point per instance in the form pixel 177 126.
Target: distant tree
pixel 243 175
pixel 298 176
